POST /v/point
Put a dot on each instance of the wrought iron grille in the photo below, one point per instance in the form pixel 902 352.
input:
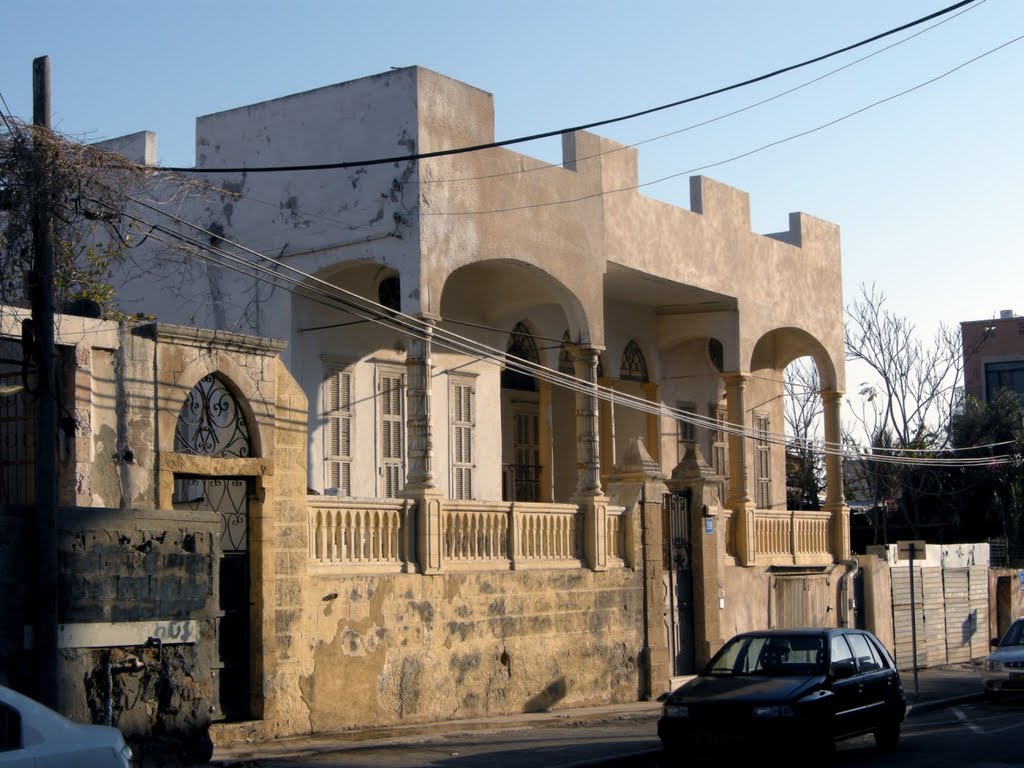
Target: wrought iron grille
pixel 211 422
pixel 227 496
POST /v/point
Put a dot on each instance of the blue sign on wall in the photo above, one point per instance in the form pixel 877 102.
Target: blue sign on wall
pixel 709 527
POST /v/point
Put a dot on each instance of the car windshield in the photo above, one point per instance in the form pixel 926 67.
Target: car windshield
pixel 1014 635
pixel 775 655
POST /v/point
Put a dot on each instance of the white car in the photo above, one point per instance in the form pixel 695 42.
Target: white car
pixel 1003 670
pixel 34 736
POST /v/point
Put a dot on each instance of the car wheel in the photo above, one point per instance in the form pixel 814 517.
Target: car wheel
pixel 888 736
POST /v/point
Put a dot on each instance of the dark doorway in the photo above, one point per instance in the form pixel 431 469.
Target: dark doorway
pixel 679 571
pixel 228 497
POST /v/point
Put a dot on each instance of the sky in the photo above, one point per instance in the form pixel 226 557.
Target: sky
pixel 923 186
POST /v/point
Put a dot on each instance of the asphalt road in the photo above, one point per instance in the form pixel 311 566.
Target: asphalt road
pixel 972 734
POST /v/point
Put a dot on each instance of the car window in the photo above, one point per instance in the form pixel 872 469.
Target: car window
pixel 840 653
pixel 865 653
pixel 10 728
pixel 737 657
pixel 1014 635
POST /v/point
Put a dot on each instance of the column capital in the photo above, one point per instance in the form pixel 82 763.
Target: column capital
pixel 831 395
pixel 735 378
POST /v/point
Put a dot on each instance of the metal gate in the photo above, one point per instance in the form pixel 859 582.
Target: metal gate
pixel 229 498
pixel 679 575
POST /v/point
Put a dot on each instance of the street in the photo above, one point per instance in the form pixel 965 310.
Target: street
pixel 979 734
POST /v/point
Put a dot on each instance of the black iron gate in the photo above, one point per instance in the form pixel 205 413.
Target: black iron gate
pixel 678 568
pixel 229 498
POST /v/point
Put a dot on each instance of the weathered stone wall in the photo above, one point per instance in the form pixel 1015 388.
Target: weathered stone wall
pixel 122 567
pixel 412 648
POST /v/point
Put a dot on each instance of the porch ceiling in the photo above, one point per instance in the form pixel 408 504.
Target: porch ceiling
pixel 631 286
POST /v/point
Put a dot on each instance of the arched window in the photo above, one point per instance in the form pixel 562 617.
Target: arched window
pixel 521 345
pixel 633 367
pixel 389 293
pixel 211 423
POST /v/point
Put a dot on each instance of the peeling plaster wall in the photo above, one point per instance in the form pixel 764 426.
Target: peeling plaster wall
pixel 389 649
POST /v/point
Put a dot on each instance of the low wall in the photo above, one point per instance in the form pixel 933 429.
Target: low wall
pixel 409 648
pixel 137 634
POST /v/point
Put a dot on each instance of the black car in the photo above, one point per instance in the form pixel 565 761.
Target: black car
pixel 798 689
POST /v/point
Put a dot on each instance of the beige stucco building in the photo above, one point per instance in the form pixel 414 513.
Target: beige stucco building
pixel 518 444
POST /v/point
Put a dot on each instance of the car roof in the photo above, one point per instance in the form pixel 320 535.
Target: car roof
pixel 809 631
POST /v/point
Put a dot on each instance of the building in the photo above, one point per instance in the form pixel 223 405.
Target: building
pixel 993 355
pixel 471 467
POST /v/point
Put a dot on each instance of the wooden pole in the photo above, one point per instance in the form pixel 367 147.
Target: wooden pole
pixel 45 632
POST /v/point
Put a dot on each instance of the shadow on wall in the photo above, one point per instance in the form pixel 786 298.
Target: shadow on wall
pixel 547 698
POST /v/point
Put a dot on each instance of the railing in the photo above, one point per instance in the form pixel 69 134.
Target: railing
pixel 474 534
pixel 548 533
pixel 360 533
pixel 379 535
pixel 616 537
pixel 786 537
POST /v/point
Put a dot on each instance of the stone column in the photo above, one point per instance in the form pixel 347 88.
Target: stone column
pixel 589 496
pixel 588 456
pixel 418 367
pixel 835 497
pixel 707 547
pixel 420 485
pixel 739 500
pixel 639 483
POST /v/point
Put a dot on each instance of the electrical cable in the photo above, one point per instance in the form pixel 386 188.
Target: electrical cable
pixel 584 127
pixel 733 158
pixel 377 313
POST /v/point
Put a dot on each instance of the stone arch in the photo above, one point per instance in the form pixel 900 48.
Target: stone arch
pixel 212 421
pixel 236 380
pixel 488 291
pixel 779 347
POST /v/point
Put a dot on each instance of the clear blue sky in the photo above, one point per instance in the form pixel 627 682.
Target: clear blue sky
pixel 925 188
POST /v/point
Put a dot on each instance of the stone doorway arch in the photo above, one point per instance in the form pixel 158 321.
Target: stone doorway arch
pixel 212 423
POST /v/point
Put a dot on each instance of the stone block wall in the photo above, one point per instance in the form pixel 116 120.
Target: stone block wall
pixel 122 572
pixel 408 648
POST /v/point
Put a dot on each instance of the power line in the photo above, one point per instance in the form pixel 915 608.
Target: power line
pixel 333 295
pixel 732 159
pixel 584 127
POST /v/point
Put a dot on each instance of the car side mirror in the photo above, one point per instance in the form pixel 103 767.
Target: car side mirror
pixel 994 642
pixel 841 670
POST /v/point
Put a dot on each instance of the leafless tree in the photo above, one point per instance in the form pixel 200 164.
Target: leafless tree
pixel 803 409
pixel 907 403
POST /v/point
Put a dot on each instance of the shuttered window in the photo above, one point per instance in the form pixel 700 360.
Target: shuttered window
pixel 338 432
pixel 390 410
pixel 462 420
pixel 719 444
pixel 762 461
pixel 687 429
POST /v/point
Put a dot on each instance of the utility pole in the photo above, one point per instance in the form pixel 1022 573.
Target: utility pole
pixel 44 636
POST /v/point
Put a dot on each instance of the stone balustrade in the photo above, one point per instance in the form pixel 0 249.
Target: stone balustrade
pixel 378 535
pixel 785 537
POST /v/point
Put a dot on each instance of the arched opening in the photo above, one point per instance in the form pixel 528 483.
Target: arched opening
pixel 521 466
pixel 212 423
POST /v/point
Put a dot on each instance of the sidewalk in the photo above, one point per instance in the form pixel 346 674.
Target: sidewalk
pixel 936 687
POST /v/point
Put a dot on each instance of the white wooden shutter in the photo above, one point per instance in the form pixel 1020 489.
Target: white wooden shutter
pixel 392 443
pixel 338 437
pixel 462 441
